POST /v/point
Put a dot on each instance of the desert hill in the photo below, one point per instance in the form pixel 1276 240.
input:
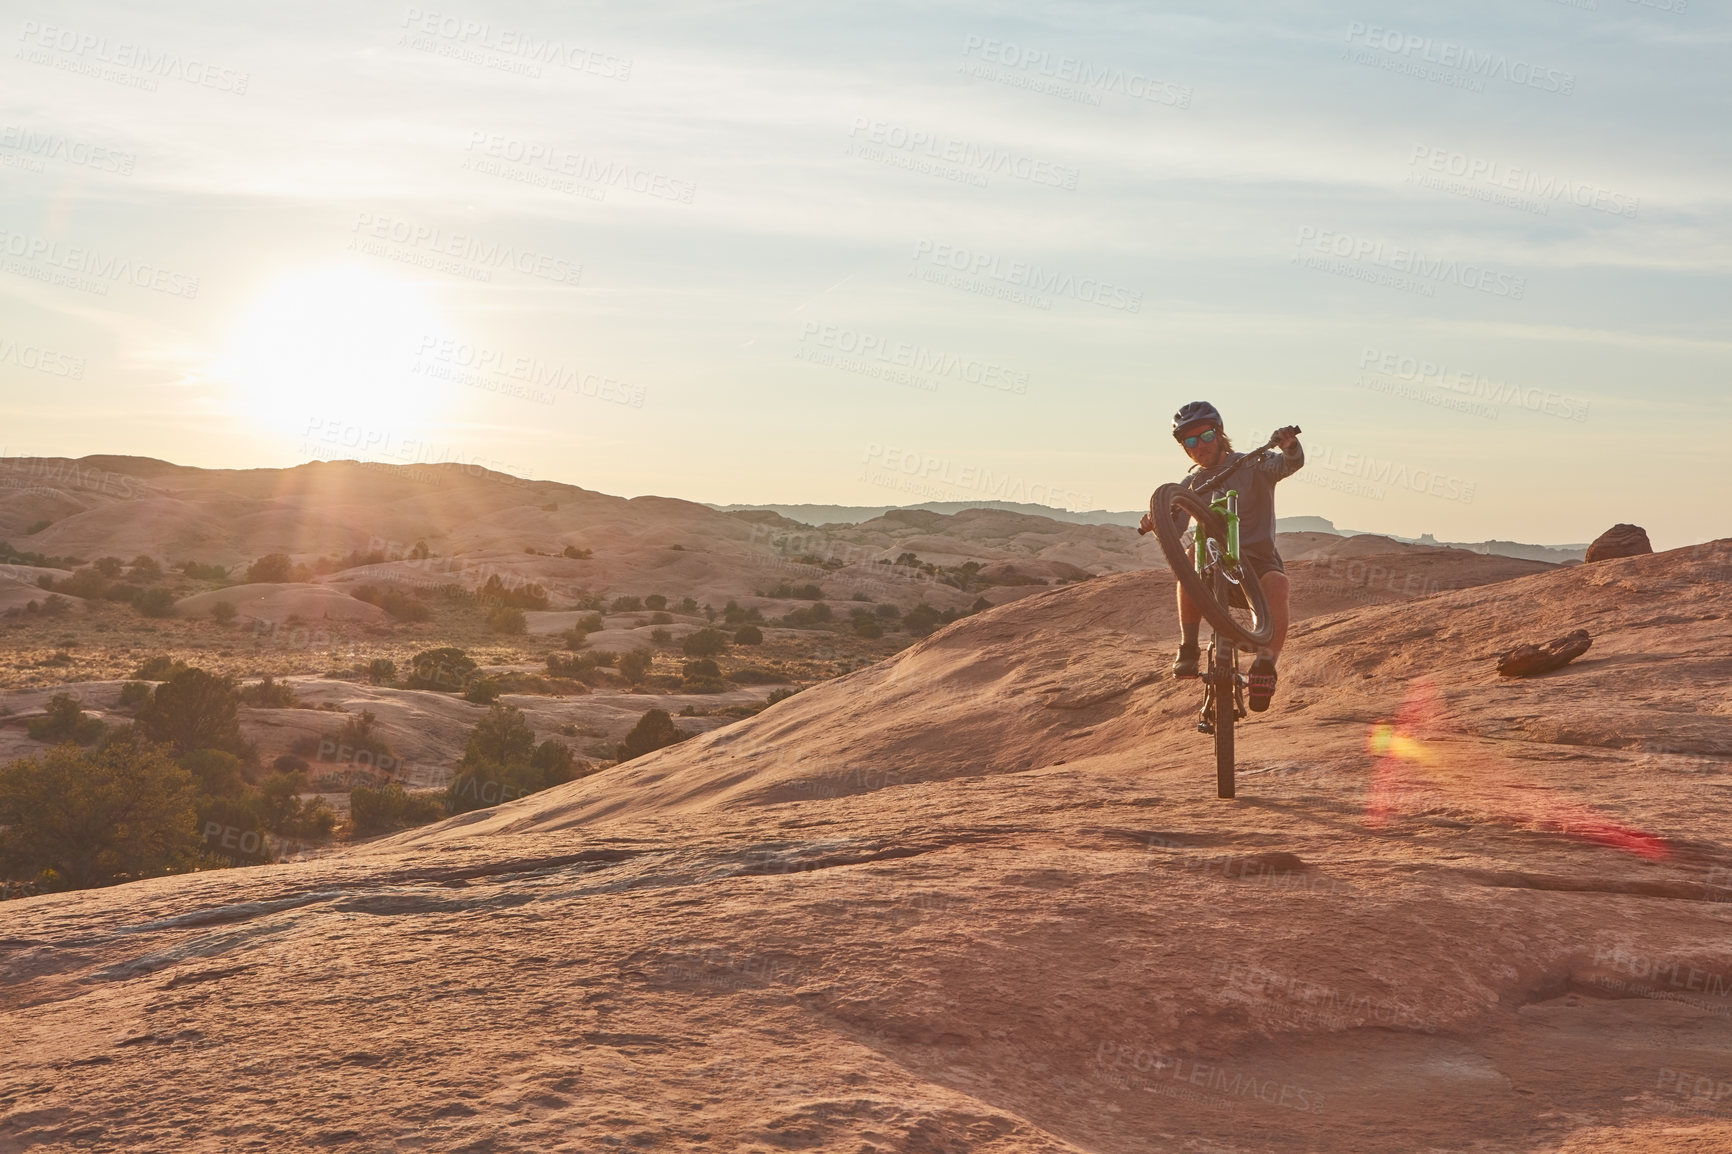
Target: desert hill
pixel 980 896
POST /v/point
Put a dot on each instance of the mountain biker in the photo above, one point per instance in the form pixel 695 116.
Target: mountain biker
pixel 1200 431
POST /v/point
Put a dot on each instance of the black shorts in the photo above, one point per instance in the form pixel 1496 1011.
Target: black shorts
pixel 1261 561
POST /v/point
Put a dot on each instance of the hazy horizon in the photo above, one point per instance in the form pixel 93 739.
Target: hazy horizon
pixel 794 255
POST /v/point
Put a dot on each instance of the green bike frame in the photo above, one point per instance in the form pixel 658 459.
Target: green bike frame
pixel 1228 508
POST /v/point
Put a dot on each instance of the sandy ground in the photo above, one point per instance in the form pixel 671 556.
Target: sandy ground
pixel 981 897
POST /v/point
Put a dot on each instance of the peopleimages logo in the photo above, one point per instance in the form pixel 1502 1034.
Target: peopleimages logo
pixel 1482 179
pixel 1476 386
pixel 1408 262
pixel 972 263
pixel 469 255
pixel 1067 76
pixel 531 50
pixel 970 159
pixel 53 146
pixel 101 268
pixel 89 50
pixel 1446 54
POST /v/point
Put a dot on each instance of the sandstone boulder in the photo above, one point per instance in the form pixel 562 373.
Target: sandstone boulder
pixel 1527 660
pixel 1620 541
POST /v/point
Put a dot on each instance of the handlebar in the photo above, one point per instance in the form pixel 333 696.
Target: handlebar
pixel 1213 480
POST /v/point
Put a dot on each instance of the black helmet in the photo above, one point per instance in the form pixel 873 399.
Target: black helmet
pixel 1195 413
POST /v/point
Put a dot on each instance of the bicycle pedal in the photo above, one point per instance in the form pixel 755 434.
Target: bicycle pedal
pixel 1205 727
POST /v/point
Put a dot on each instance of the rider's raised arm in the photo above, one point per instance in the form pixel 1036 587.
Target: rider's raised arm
pixel 1279 463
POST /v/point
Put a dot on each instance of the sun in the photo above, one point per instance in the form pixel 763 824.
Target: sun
pixel 337 343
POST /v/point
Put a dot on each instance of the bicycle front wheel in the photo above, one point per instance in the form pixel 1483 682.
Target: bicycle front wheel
pixel 1250 625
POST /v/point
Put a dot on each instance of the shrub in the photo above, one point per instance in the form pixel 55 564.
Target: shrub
pixel 159 668
pixel 661 619
pixel 356 734
pixel 502 762
pixel 222 612
pixel 817 614
pixel 508 619
pixel 702 676
pixel 574 639
pixel 446 668
pixel 779 695
pixel 87 583
pixel 134 693
pixel 748 635
pixel 289 763
pixel 577 554
pixel 481 691
pixel 270 694
pixel 654 730
pixel 390 807
pixel 755 675
pixel 922 619
pixel 888 612
pixel 705 642
pixel 868 628
pixel 397 603
pixel 155 601
pixel 200 572
pixel 272 568
pixel 65 721
pixel 75 818
pixel 218 774
pixel 625 605
pixel 786 591
pixel 108 566
pixel 281 810
pixel 381 670
pixel 655 601
pixel 732 614
pixel 635 665
pixel 194 710
pixel 525 596
pixel 590 624
pixel 660 636
pixel 37 527
pixel 688 605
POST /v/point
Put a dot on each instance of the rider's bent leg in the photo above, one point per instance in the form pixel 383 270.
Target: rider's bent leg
pixel 1275 593
pixel 1190 613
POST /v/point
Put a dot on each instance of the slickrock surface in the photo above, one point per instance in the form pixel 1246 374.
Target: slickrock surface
pixel 981 897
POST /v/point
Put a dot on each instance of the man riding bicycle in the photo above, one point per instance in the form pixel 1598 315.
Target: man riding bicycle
pixel 1199 429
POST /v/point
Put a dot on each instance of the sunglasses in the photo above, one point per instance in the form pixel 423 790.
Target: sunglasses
pixel 1207 437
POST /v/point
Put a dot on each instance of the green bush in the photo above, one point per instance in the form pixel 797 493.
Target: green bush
pixel 655 601
pixel 194 710
pixel 481 691
pixel 200 572
pixel 625 605
pixel 748 635
pixel 755 675
pixel 577 554
pixel 381 670
pixel 660 636
pixel 590 624
pixel 922 619
pixel 509 620
pixel 159 668
pixel 702 676
pixel 75 818
pixel 635 665
pixel 108 566
pixel 446 668
pixel 272 568
pixel 270 694
pixel 389 807
pixel 502 762
pixel 397 603
pixel 65 721
pixel 661 619
pixel 155 601
pixel 218 774
pixel 867 627
pixel 525 596
pixel 356 736
pixel 654 730
pixel 222 612
pixel 705 642
pixel 796 592
pixel 688 605
pixel 134 693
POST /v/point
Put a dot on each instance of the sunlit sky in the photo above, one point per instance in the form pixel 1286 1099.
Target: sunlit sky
pixel 883 254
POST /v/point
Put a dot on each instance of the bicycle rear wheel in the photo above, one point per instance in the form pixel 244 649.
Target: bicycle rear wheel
pixel 1251 625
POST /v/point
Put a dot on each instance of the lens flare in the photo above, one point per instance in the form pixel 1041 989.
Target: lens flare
pixel 1411 767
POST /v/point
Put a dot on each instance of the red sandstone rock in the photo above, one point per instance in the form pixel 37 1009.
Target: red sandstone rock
pixel 1620 541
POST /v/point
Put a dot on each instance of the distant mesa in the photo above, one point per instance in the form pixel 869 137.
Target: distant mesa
pixel 1619 541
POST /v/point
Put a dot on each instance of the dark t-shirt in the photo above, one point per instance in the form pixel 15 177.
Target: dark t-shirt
pixel 1255 483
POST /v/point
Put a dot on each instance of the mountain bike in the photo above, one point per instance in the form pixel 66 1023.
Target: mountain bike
pixel 1228 592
